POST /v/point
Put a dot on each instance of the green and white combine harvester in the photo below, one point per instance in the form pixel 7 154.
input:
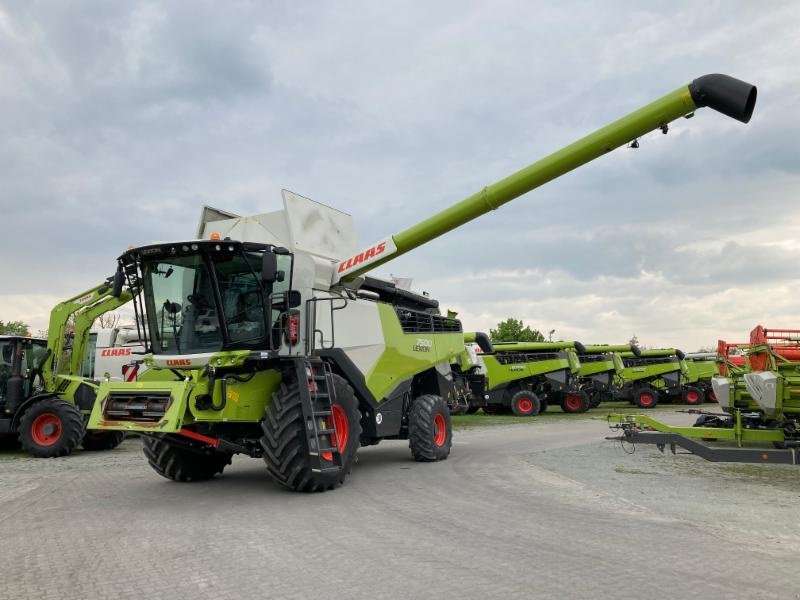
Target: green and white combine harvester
pixel 522 378
pixel 45 400
pixel 280 347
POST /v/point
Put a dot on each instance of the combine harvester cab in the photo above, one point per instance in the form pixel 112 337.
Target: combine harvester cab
pixel 650 377
pixel 600 366
pixel 522 378
pixel 278 346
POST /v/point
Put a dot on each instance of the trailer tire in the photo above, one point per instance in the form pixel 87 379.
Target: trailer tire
pixel 525 404
pixel 286 446
pixel 430 432
pixel 50 428
pixel 575 402
pixel 102 440
pixel 645 397
pixel 179 462
pixel 692 396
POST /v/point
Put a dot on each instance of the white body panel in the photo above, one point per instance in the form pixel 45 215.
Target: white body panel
pixel 114 348
pixel 357 330
pixel 722 391
pixel 763 388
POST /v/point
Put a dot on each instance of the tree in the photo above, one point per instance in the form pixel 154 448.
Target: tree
pixel 14 328
pixel 107 321
pixel 512 330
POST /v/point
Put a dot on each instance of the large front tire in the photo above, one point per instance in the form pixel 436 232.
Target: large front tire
pixel 430 433
pixel 180 462
pixel 286 446
pixel 50 428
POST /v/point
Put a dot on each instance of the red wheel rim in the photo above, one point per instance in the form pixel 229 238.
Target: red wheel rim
pixel 712 396
pixel 342 426
pixel 692 397
pixel 524 405
pixel 46 429
pixel 645 399
pixel 439 430
pixel 573 402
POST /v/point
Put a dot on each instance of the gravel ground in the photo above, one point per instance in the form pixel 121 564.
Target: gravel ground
pixel 536 510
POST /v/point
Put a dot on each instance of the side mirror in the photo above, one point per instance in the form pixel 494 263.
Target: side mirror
pixel 269 268
pixel 119 281
pixel 293 299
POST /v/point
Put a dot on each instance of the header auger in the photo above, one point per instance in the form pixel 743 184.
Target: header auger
pixel 282 348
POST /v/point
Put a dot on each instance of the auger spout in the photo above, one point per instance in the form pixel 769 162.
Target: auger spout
pixel 722 93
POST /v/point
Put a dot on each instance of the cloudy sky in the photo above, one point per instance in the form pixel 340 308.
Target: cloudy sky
pixel 120 120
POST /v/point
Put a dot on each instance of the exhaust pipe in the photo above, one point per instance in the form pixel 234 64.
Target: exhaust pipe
pixel 725 94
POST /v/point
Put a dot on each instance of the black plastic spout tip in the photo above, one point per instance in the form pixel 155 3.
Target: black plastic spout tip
pixel 579 348
pixel 728 95
pixel 635 349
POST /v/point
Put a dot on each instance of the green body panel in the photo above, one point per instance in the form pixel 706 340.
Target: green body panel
pixel 638 373
pixel 599 366
pixel 407 354
pixel 498 374
pixel 700 370
pixel 738 433
pixel 245 402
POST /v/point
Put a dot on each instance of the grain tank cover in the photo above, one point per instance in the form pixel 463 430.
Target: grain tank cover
pixel 302 226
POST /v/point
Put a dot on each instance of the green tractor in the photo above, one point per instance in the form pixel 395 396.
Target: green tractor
pixel 650 377
pixel 45 400
pixel 281 348
pixel 600 365
pixel 522 378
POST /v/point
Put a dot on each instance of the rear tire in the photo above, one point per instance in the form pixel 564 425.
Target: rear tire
pixel 542 405
pixel 645 397
pixel 692 396
pixel 575 402
pixel 286 446
pixel 525 404
pixel 430 433
pixel 102 440
pixel 50 428
pixel 180 462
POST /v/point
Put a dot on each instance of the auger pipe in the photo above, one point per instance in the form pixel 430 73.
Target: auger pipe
pixel 656 353
pixel 536 346
pixel 725 94
pixel 601 349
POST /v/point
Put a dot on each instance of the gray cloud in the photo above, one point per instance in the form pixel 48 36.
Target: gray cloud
pixel 120 121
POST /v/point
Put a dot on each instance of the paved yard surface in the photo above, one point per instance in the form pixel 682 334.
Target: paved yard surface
pixel 545 509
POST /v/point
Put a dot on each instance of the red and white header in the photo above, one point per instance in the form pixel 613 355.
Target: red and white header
pixel 374 253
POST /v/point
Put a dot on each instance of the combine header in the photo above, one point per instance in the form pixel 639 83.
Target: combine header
pixel 280 346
